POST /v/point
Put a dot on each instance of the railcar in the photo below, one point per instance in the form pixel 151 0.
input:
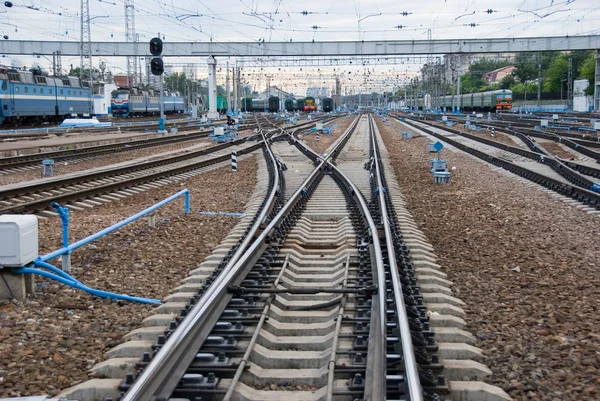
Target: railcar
pixel 289 104
pixel 271 104
pixel 300 104
pixel 30 96
pixel 327 104
pixel 127 102
pixel 310 104
pixel 498 100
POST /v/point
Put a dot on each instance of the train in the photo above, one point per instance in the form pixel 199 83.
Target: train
pixel 327 104
pixel 127 102
pixel 271 104
pixel 498 100
pixel 32 97
pixel 310 104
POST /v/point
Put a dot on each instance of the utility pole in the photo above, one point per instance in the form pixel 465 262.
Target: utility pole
pixel 597 83
pixel 569 85
pixel 86 44
pixel 227 87
pixel 458 98
pixel 539 81
pixel 234 89
pixel 130 37
pixel 56 63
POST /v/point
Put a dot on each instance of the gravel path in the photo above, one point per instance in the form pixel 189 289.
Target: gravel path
pixel 487 134
pixel 325 141
pixel 555 149
pixel 48 343
pixel 525 264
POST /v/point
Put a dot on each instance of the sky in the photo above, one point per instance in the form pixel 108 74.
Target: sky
pixel 285 20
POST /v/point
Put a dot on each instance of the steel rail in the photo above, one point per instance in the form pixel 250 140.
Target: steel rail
pixel 90 151
pixel 410 363
pixel 105 189
pixel 580 194
pixel 375 380
pixel 164 371
pixel 60 182
pixel 540 155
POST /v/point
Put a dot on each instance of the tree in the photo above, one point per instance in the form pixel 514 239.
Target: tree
pixel 556 73
pixel 175 82
pixel 587 70
pixel 507 82
pixel 526 64
pixel 76 72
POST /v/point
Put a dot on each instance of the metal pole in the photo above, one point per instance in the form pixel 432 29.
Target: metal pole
pixel 161 125
pixel 539 82
pixel 458 98
pixel 227 88
pixel 570 85
pixel 234 84
pixel 597 83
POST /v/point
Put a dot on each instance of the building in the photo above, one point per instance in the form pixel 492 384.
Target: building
pixel 120 80
pixel 317 92
pixel 496 76
pixel 458 64
pixel 275 91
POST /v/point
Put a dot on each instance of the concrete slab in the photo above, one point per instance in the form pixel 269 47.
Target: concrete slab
pixel 475 391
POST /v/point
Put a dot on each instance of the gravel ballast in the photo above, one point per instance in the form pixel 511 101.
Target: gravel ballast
pixel 48 343
pixel 325 140
pixel 525 264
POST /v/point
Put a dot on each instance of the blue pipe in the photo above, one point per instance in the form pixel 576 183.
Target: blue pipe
pixel 39 263
pixel 75 284
pixel 70 248
pixel 63 212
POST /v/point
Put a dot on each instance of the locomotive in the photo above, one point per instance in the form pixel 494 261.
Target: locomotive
pixel 30 96
pixel 310 104
pixel 127 102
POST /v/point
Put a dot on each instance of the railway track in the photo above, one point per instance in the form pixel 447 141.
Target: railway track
pixel 314 296
pixel 20 163
pixel 87 188
pixel 181 124
pixel 567 182
pixel 319 305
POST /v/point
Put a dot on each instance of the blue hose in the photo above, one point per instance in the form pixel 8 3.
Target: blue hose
pixel 38 263
pixel 64 278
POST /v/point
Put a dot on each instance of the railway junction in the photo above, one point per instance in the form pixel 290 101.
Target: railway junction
pixel 305 248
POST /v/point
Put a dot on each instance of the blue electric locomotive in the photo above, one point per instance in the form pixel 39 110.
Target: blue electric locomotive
pixel 29 96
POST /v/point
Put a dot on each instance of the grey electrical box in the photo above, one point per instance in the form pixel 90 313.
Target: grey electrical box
pixel 18 239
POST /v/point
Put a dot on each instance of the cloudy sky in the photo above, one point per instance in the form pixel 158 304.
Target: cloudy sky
pixel 307 20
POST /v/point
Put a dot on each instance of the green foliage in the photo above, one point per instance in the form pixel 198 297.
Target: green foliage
pixel 175 82
pixel 526 64
pixel 587 70
pixel 507 82
pixel 76 72
pixel 556 73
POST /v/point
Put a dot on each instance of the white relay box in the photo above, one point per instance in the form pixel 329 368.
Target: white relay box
pixel 18 239
pixel 219 131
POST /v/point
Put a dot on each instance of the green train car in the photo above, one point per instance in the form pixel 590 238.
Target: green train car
pixel 221 104
pixel 498 100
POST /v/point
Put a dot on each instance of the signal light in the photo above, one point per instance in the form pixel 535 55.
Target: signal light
pixel 156 46
pixel 156 66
